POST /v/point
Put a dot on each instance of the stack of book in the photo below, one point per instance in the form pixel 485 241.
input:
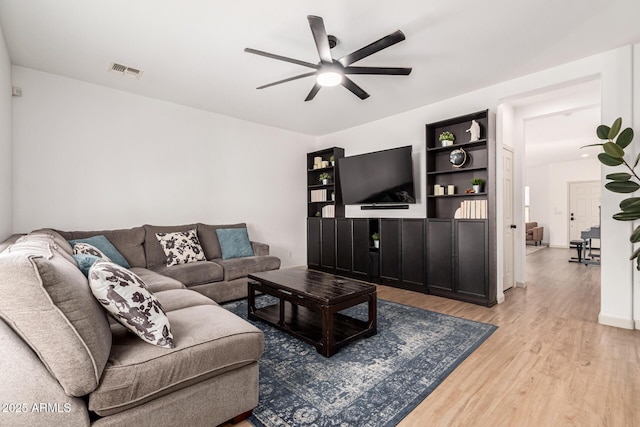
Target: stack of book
pixel 328 211
pixel 319 195
pixel 473 209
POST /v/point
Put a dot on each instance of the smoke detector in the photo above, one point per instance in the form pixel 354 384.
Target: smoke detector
pixel 124 70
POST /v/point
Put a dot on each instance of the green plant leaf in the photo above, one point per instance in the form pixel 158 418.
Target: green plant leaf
pixel 635 236
pixel 613 150
pixel 622 187
pixel 603 132
pixel 626 216
pixel 621 177
pixel 607 160
pixel 636 162
pixel 615 128
pixel 635 254
pixel 625 138
pixel 630 204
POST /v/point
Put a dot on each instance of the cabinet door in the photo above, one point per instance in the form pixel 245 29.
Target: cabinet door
pixel 440 255
pixel 328 244
pixel 413 256
pixel 344 246
pixel 390 251
pixel 313 243
pixel 360 230
pixel 472 254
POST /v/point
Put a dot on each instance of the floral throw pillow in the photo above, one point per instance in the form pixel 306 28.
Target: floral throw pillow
pixel 181 247
pixel 87 249
pixel 126 297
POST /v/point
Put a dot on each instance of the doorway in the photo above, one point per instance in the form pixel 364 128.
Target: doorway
pixel 584 207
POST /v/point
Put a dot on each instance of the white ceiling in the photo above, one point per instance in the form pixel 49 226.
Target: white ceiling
pixel 191 51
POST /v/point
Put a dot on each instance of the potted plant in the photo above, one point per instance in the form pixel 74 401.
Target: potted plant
pixel 324 177
pixel 446 138
pixel 376 240
pixel 332 160
pixel 613 155
pixel 478 185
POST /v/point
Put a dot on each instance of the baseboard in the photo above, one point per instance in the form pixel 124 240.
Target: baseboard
pixel 521 285
pixel 500 299
pixel 618 322
pixel 637 324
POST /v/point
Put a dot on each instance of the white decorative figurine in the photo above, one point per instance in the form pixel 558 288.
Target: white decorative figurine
pixel 474 130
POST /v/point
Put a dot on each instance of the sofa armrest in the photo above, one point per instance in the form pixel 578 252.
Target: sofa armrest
pixel 260 249
pixel 37 398
pixel 537 233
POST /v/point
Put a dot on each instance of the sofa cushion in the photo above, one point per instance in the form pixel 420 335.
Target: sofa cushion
pixel 181 247
pixel 129 242
pixel 241 267
pixel 153 250
pixel 177 299
pixel 46 300
pixel 104 246
pixel 234 242
pixel 209 341
pixel 156 282
pixel 127 298
pixel 209 238
pixel 194 273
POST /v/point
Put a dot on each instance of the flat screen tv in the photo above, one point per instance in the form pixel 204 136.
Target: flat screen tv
pixel 377 178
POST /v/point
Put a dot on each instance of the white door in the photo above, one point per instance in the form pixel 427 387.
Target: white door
pixel 584 207
pixel 507 185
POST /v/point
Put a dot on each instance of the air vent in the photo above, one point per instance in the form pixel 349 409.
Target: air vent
pixel 123 70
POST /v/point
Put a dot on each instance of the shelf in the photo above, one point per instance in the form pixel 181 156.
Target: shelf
pixel 329 168
pixel 439 172
pixel 326 202
pixel 319 186
pixel 458 145
pixel 458 195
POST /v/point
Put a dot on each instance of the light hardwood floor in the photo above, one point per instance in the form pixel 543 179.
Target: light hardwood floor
pixel 549 363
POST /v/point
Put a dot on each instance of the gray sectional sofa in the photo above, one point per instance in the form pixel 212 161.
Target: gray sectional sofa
pixel 63 361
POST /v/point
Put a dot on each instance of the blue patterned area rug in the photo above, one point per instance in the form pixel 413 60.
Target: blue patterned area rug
pixel 374 381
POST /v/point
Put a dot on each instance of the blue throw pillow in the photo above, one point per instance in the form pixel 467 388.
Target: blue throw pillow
pixel 234 242
pixel 85 262
pixel 102 243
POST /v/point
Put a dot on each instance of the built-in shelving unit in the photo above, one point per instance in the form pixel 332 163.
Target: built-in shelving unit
pixel 461 255
pixel 323 200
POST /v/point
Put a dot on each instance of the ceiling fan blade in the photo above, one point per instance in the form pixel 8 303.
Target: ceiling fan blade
pixel 281 58
pixel 314 90
pixel 372 48
pixel 320 37
pixel 287 80
pixel 357 90
pixel 378 70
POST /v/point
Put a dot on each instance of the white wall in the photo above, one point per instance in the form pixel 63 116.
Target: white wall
pixel 6 208
pixel 549 197
pixel 90 157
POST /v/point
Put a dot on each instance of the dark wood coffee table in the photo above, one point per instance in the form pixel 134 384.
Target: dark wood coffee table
pixel 309 306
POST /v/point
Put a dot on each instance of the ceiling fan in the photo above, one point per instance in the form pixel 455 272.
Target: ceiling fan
pixel 331 72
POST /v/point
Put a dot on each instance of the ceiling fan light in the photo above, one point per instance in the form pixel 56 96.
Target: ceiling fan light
pixel 329 78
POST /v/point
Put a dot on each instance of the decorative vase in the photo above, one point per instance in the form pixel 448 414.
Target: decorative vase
pixel 325 181
pixel 478 188
pixel 446 142
pixel 376 243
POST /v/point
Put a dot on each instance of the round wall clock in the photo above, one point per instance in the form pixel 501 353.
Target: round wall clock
pixel 458 158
